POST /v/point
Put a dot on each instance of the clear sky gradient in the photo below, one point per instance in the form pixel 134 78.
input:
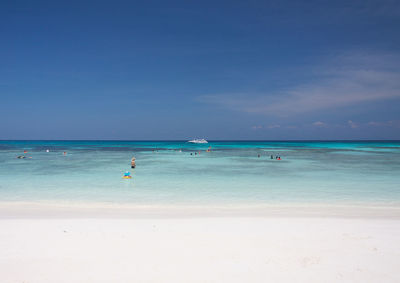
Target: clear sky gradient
pixel 208 69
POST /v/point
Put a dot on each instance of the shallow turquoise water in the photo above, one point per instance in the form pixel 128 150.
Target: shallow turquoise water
pixel 166 173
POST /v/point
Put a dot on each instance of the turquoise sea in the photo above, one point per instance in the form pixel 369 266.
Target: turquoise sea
pixel 169 172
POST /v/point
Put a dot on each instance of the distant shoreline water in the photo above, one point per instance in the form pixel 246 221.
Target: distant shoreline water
pixel 186 140
pixel 177 172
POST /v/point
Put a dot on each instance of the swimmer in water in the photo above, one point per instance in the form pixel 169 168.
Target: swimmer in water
pixel 127 175
pixel 133 162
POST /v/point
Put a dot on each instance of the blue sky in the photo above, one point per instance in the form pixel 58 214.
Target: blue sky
pixel 213 69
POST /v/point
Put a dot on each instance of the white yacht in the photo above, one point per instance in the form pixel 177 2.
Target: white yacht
pixel 198 141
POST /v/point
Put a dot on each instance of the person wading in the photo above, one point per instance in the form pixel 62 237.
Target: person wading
pixel 133 162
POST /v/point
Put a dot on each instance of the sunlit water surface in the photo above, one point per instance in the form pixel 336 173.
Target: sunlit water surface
pixel 232 173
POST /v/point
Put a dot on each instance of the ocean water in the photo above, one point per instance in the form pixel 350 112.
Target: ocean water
pixel 355 172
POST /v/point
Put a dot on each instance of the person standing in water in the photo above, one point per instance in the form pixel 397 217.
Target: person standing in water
pixel 133 162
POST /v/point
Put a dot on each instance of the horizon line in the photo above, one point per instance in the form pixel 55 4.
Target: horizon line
pixel 217 140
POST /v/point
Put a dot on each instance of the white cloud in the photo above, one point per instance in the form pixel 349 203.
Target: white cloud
pixel 319 124
pixel 266 127
pixel 352 124
pixel 273 126
pixel 394 123
pixel 372 123
pixel 347 80
pixel 391 123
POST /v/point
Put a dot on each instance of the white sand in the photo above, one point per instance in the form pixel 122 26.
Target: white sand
pixel 266 248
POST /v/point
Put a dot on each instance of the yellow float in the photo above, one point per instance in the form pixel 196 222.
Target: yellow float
pixel 127 175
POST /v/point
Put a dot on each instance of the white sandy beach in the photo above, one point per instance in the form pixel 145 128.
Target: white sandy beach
pixel 40 244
